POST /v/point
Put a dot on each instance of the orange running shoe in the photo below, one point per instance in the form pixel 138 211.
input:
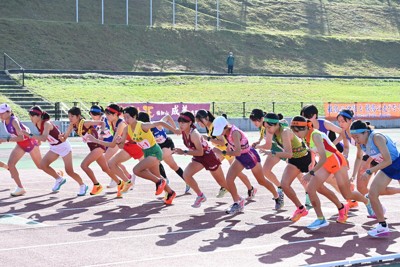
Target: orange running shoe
pixel 126 186
pixel 170 198
pixel 119 188
pixel 343 214
pixel 298 214
pixel 97 189
pixel 352 204
pixel 160 186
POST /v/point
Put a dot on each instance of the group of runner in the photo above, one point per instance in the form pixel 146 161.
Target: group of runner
pixel 315 152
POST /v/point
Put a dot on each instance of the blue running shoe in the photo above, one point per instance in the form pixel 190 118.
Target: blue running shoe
pixel 318 223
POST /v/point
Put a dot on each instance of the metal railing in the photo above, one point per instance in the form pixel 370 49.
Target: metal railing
pixel 21 69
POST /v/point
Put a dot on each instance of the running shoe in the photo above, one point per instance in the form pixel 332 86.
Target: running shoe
pixel 308 203
pixel 352 204
pixel 298 213
pixel 160 185
pixel 112 184
pixel 278 203
pixel 379 231
pixel 126 186
pixel 97 189
pixel 373 216
pixel 18 192
pixel 57 185
pixel 199 200
pixel 187 189
pixel 120 188
pixel 343 214
pixel 222 192
pixel 251 193
pixel 82 190
pixel 318 223
pixel 281 197
pixel 170 197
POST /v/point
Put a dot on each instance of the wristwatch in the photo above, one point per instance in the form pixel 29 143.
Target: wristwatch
pixel 312 173
pixel 368 172
pixel 224 152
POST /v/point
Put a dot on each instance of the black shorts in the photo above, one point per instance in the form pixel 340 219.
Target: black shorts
pixel 373 163
pixel 168 144
pixel 301 163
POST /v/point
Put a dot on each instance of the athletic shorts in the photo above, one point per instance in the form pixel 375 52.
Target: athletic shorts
pixel 393 170
pixel 134 150
pixel 249 159
pixel 334 162
pixel 61 149
pixel 93 146
pixel 168 144
pixel 301 163
pixel 28 145
pixel 373 163
pixel 209 160
pixel 154 151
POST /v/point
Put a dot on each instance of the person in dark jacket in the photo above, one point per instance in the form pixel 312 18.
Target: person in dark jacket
pixel 230 61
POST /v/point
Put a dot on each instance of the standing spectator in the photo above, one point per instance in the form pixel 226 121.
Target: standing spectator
pixel 230 61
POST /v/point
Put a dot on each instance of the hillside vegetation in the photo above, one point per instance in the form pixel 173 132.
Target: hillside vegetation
pixel 335 37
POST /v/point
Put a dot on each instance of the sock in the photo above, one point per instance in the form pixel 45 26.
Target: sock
pixel 96 184
pixel 321 218
pixel 180 172
pixel 162 171
pixel 119 182
pixel 383 224
pixel 341 207
pixel 199 195
pixel 301 207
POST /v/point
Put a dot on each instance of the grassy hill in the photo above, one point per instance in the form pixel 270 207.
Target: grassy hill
pixel 335 37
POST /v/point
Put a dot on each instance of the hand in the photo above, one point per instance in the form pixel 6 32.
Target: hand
pixel 90 138
pixel 61 137
pixel 25 133
pixel 178 151
pixel 255 144
pixel 365 176
pixel 306 179
pixel 177 131
pixel 118 139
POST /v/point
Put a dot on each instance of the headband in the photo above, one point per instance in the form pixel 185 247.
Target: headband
pixel 299 123
pixel 274 121
pixel 97 110
pixel 345 114
pixel 112 110
pixel 357 131
pixel 35 111
pixel 185 118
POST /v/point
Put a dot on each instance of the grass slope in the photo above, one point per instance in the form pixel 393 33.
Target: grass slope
pixel 298 37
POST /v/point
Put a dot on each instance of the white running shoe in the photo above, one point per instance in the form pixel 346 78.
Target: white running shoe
pixel 18 192
pixel 112 184
pixel 82 190
pixel 57 185
pixel 379 231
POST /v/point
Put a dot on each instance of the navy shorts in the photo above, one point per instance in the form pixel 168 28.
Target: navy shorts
pixel 393 170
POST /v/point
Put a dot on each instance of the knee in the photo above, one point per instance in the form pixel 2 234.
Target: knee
pixel 84 166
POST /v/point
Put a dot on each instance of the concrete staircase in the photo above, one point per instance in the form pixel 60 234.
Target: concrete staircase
pixel 22 96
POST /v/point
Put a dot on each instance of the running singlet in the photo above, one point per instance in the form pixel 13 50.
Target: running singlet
pixel 52 138
pixel 373 151
pixel 330 148
pixel 109 130
pixel 322 127
pixel 159 135
pixel 144 139
pixel 209 133
pixel 244 142
pixel 299 149
pixel 351 140
pixel 190 145
pixel 13 132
